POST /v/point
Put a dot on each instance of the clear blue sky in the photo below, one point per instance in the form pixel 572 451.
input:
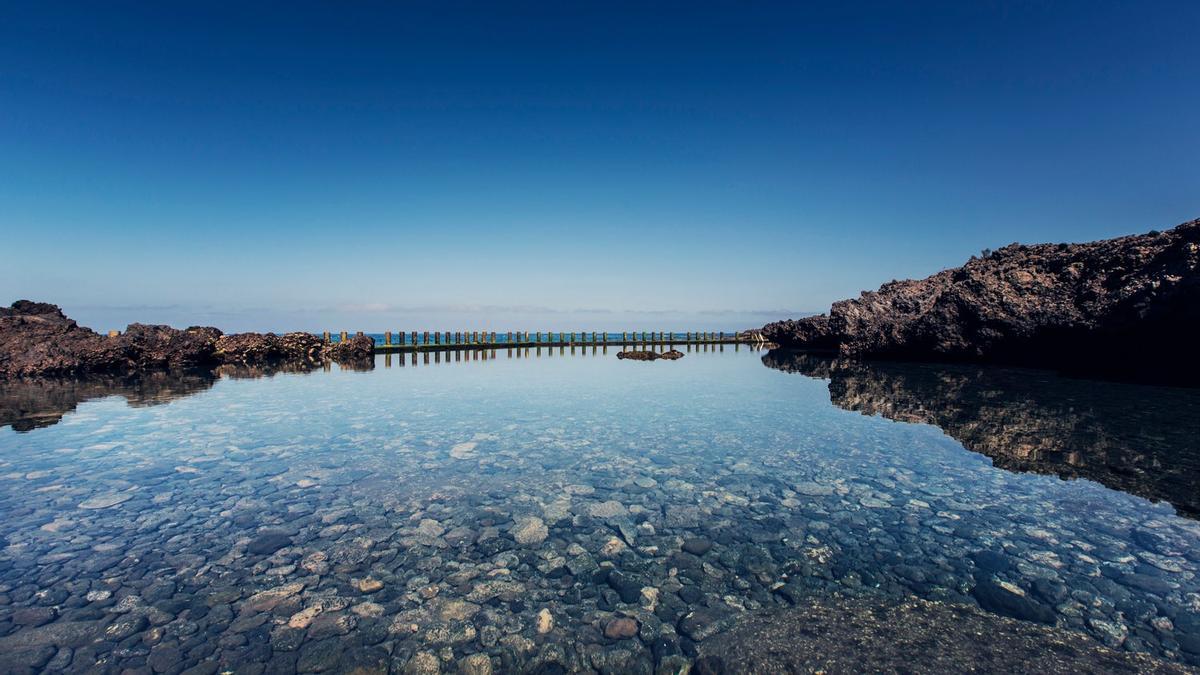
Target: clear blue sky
pixel 509 165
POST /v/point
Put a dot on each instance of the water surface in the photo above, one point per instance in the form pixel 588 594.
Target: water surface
pixel 575 510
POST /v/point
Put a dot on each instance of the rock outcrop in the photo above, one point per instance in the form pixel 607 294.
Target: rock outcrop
pixel 859 634
pixel 1128 306
pixel 38 340
pixel 258 349
pixel 354 349
pixel 635 355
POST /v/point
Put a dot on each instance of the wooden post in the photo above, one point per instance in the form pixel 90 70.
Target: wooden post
pixel 358 334
pixel 414 343
pixel 324 336
pixel 493 337
pixel 437 337
pixel 426 337
pixel 387 338
pixel 114 333
pixel 508 339
pixel 343 336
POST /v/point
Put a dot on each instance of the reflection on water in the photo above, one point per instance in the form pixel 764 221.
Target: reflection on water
pixel 581 514
pixel 27 405
pixel 1139 439
pixel 30 404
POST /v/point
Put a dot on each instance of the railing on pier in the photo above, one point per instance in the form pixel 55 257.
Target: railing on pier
pixel 484 353
pixel 417 341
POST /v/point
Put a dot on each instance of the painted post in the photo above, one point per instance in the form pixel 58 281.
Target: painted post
pixel 387 338
pixel 493 337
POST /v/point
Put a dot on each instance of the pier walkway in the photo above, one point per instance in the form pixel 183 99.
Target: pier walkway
pixel 420 341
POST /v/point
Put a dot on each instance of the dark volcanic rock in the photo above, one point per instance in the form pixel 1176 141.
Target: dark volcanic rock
pixel 38 340
pixel 1127 306
pixel 164 347
pixel 358 348
pixel 249 349
pixel 267 543
pixel 638 356
pixel 633 355
pixel 864 635
pixel 995 598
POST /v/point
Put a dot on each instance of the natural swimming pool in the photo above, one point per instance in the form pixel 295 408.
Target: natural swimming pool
pixel 579 511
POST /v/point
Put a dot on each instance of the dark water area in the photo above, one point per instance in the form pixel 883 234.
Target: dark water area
pixel 558 508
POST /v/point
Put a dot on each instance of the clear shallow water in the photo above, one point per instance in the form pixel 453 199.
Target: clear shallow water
pixel 411 515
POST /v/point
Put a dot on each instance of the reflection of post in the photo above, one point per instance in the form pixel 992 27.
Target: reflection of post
pixel 426 357
pixel 387 359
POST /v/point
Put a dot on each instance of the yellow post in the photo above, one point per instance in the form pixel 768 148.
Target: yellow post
pixel 343 336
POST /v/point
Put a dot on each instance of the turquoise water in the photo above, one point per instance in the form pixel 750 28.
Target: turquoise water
pixel 516 507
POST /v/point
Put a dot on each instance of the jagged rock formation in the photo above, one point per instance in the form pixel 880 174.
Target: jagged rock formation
pixel 1134 438
pixel 356 348
pixel 38 340
pixel 1128 306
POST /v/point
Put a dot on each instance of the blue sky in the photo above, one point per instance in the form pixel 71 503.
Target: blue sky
pixel 568 165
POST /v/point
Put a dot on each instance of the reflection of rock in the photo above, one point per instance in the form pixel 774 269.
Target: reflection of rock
pixel 27 405
pixel 1128 307
pixel 1134 438
pixel 869 634
pixel 38 340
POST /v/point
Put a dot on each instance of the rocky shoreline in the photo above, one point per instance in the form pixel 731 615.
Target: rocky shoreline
pixel 1126 307
pixel 38 340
